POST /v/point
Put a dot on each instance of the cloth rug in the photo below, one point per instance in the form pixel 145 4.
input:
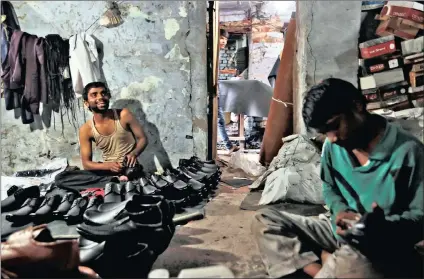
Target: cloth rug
pixel 250 203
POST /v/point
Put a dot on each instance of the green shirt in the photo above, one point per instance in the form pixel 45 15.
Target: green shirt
pixel 393 178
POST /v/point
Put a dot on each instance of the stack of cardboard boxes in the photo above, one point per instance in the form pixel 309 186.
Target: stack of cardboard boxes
pixel 392 65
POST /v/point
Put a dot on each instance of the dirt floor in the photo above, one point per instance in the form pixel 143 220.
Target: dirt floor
pixel 222 237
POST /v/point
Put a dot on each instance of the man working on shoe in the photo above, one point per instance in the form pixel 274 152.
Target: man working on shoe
pixel 117 133
pixel 370 168
pixel 223 38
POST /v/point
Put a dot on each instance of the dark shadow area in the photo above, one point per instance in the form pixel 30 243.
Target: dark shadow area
pixel 154 146
pixel 177 258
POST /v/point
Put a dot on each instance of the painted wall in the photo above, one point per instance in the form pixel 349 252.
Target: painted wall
pixel 154 63
pixel 327 46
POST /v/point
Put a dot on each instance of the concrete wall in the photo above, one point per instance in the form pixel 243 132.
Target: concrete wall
pixel 327 46
pixel 154 63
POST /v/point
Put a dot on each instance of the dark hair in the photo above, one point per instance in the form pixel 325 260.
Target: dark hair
pixel 223 33
pixel 90 85
pixel 331 97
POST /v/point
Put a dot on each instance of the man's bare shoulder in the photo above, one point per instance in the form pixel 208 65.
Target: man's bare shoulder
pixel 85 129
pixel 125 112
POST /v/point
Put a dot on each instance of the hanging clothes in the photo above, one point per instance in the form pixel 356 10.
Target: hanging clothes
pixel 83 62
pixel 25 75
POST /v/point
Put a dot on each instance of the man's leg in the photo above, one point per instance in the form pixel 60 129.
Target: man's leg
pixel 221 129
pixel 289 242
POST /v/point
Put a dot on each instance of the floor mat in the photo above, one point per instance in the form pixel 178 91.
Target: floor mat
pixel 250 203
pixel 237 183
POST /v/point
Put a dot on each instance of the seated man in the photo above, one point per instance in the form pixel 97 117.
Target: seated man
pixel 117 133
pixel 370 168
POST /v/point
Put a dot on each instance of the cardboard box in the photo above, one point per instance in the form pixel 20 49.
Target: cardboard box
pixel 378 47
pixel 414 58
pixel 389 77
pixel 393 90
pixel 379 64
pixel 397 27
pixel 412 46
pixel 405 21
pixel 416 78
pixel 367 82
pixel 403 12
pixel 407 4
pixel 417 67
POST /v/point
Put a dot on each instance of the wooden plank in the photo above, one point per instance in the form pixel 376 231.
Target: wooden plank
pixel 215 79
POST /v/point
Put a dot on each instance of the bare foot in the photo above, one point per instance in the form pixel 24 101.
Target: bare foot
pixel 233 149
pixel 324 256
pixel 312 269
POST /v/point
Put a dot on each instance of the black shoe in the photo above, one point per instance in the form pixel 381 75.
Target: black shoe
pixel 77 209
pixel 198 164
pixel 130 190
pixel 16 200
pixel 65 204
pixel 12 190
pixel 142 213
pixel 133 173
pixel 105 213
pixel 113 192
pixel 90 251
pixel 158 182
pixel 29 206
pixel 147 188
pixel 47 207
pixel 197 159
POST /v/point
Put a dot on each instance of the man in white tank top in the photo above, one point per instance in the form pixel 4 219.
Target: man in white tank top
pixel 117 133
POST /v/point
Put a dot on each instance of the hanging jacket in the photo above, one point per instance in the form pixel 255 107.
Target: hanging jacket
pixel 83 62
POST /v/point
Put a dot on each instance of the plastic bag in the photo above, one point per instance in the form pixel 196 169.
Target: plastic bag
pixel 248 162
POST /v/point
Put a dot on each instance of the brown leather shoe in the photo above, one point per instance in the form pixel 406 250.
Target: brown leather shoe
pixel 32 253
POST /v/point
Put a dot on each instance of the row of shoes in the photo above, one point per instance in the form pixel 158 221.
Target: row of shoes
pixel 26 205
pixel 136 229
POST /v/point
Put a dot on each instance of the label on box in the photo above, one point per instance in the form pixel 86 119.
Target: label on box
pixel 376 68
pixel 393 63
pixel 377 50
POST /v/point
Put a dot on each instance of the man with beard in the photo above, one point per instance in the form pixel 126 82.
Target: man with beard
pixel 117 133
pixel 372 172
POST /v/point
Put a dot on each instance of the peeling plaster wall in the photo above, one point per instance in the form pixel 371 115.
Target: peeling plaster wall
pixel 154 63
pixel 327 46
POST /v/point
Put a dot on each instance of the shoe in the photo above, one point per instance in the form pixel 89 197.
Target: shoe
pixel 197 164
pixel 142 213
pixel 12 190
pixel 58 191
pixel 147 188
pixel 16 200
pixel 95 202
pixel 158 182
pixel 133 173
pixel 29 206
pixel 47 207
pixel 192 183
pixel 130 190
pixel 112 193
pixel 90 251
pixel 105 213
pixel 65 204
pixel 77 209
pixel 195 158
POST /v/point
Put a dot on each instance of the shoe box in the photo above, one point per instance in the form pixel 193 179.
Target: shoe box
pixel 391 65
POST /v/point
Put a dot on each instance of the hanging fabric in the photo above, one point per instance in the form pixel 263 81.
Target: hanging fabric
pixel 83 62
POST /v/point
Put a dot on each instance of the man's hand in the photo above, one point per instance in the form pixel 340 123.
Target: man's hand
pixel 342 221
pixel 131 160
pixel 114 167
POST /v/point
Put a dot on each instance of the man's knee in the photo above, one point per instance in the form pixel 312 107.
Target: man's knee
pixel 268 219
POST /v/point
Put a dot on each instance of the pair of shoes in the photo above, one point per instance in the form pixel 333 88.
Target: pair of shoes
pixel 198 188
pixel 177 192
pixel 18 196
pixel 118 192
pixel 142 214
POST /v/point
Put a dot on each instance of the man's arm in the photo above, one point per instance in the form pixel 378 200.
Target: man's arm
pixel 409 223
pixel 86 151
pixel 332 195
pixel 135 127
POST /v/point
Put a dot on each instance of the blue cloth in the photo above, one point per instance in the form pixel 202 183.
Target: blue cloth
pixel 221 128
